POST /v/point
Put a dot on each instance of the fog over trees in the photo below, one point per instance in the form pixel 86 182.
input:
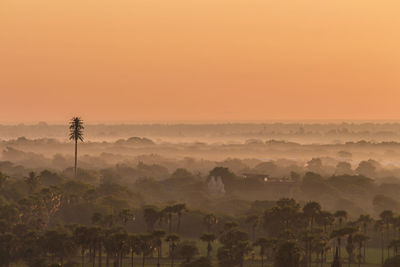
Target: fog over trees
pixel 274 194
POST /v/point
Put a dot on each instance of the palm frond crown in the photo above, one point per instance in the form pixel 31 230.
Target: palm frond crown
pixel 76 129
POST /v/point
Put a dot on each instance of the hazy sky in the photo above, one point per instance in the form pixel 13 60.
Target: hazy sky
pixel 155 60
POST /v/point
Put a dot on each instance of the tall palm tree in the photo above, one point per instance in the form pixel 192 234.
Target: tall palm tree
pixel 395 244
pixel 81 239
pixel 360 238
pixel 325 219
pixel 263 243
pixel 146 242
pixel 311 210
pixel 340 215
pixel 387 218
pixel 151 216
pixel 76 133
pixel 364 220
pixel 209 238
pixel 179 209
pixel 134 246
pixel 158 235
pixel 380 227
pixel 173 240
pixel 209 221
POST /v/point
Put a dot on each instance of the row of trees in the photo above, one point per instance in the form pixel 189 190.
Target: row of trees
pixel 287 234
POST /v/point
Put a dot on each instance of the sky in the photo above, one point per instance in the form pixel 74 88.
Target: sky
pixel 199 60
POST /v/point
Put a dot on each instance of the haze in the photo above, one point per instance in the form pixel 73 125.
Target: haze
pixel 199 60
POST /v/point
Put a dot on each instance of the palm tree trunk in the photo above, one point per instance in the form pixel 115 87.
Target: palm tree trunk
pixel 158 256
pixel 178 227
pixel 100 256
pixel 322 257
pixel 170 223
pixel 132 258
pixel 76 157
pixel 143 259
pixel 94 257
pixel 83 257
pixel 262 260
pixel 172 257
pixel 364 257
pixel 382 248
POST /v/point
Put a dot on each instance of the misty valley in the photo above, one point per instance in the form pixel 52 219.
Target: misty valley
pixel 277 194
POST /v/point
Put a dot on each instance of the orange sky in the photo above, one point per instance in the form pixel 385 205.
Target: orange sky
pixel 199 60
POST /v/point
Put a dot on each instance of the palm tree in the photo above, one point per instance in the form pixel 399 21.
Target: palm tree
pixel 209 238
pixel 173 240
pixel 188 250
pixel 169 212
pixel 179 210
pixel 340 233
pixel 379 227
pixel 146 246
pixel 311 210
pixel 209 221
pixel 125 216
pixel 134 247
pixel 76 133
pixel 151 216
pixel 263 243
pixel 395 244
pixel 158 235
pixel 387 218
pixel 324 218
pixel 308 237
pixel 360 239
pixel 82 240
pixel 340 215
pixel 95 240
pixel 365 220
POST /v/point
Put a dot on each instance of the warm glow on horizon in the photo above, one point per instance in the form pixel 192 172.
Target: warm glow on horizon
pixel 153 60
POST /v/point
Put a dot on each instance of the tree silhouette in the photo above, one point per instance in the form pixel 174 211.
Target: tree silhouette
pixel 146 245
pixel 288 255
pixel 173 240
pixel 209 238
pixel 188 250
pixel 263 243
pixel 76 133
pixel 380 227
pixel 179 210
pixel 151 216
pixel 311 210
pixel 209 221
pixel 158 236
pixel 360 239
pixel 340 215
pixel 81 239
pixel 364 220
pixel 387 218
